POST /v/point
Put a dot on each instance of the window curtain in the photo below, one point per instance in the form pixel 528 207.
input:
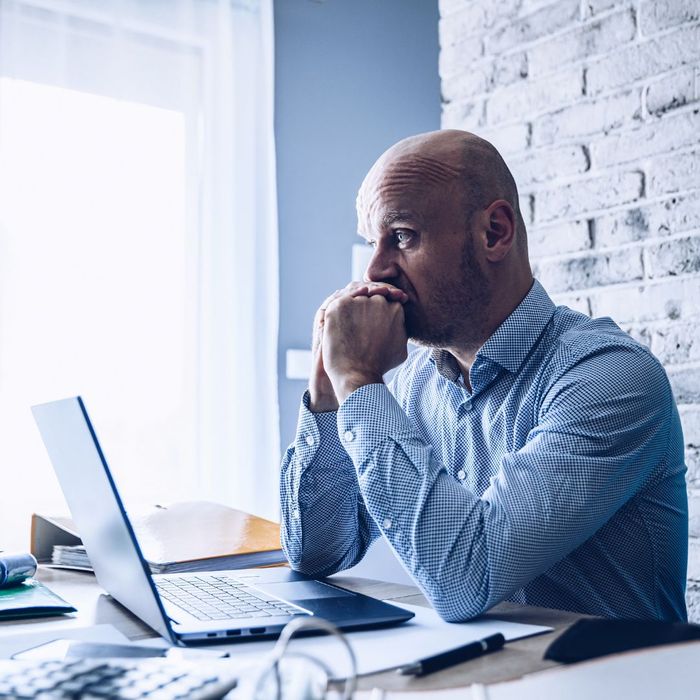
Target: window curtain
pixel 210 61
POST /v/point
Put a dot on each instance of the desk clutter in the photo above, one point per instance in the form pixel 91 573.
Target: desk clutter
pixel 171 538
pixel 21 596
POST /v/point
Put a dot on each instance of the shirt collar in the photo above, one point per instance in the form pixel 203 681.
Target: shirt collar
pixel 512 341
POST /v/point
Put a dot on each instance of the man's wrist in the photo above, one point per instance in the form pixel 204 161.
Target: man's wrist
pixel 322 404
pixel 352 382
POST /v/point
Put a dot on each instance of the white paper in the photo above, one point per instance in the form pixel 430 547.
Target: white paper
pixel 378 650
pixel 104 634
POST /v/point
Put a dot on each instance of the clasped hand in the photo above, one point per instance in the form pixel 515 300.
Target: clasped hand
pixel 359 335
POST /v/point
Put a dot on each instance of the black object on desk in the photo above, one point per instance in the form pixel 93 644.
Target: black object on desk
pixel 453 657
pixel 589 639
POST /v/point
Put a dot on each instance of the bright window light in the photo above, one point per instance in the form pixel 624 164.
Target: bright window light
pixel 93 290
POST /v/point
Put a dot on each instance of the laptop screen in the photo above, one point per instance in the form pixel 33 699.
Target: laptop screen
pixel 98 511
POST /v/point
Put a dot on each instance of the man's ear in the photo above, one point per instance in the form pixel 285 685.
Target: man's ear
pixel 499 233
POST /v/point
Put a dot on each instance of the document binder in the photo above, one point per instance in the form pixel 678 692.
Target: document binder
pixel 189 536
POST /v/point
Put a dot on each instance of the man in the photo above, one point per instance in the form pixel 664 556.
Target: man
pixel 526 453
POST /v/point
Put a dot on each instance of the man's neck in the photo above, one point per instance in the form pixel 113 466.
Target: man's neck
pixel 465 351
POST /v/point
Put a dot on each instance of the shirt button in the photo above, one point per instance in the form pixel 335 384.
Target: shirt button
pixel 310 440
pixel 461 475
pixel 295 514
pixel 387 523
pixel 348 436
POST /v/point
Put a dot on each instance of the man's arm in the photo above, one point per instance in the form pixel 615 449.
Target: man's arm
pixel 594 447
pixel 325 524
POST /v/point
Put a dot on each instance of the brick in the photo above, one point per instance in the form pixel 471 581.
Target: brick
pixel 690 418
pixel 467 115
pixel 659 136
pixel 574 199
pixel 585 118
pixel 473 17
pixel 589 271
pixel 655 16
pixel 567 237
pixel 685 384
pixel 448 7
pixel 577 302
pixel 694 559
pixel 582 42
pixel 466 85
pixel 673 173
pixel 669 299
pixel 694 513
pixel 512 138
pixel 671 91
pixel 676 343
pixel 520 100
pixel 549 164
pixel 676 257
pixel 641 60
pixel 460 57
pixel 590 8
pixel 510 69
pixel 674 215
pixel 528 6
pixel 692 461
pixel 537 24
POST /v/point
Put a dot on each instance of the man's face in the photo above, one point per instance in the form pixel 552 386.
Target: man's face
pixel 424 245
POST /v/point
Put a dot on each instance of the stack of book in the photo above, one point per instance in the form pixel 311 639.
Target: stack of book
pixel 190 536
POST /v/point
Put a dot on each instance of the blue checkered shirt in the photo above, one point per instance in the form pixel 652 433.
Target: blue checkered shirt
pixel 557 481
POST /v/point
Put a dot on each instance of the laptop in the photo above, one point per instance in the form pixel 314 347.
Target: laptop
pixel 185 608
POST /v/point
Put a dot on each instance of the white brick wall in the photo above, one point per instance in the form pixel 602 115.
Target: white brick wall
pixel 595 104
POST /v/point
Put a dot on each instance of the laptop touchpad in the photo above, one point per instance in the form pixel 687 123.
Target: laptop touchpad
pixel 302 590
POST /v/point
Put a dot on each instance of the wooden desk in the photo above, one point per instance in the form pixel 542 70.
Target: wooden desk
pixel 516 659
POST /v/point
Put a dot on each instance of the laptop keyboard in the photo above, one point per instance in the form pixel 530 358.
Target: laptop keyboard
pixel 222 597
pixel 113 678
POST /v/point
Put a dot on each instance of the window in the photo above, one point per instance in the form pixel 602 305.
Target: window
pixel 117 279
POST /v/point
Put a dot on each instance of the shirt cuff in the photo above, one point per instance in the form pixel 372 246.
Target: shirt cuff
pixel 316 430
pixel 367 418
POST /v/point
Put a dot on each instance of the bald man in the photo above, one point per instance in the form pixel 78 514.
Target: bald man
pixel 525 452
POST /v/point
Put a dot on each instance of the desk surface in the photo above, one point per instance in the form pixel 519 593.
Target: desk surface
pixel 516 659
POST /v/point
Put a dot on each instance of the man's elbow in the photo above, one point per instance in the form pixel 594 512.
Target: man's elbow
pixel 458 603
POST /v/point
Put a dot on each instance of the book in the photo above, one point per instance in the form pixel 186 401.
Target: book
pixel 30 599
pixel 188 536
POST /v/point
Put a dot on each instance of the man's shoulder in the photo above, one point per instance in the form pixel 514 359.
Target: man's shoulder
pixel 578 341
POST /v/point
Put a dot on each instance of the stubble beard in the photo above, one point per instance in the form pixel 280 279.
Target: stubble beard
pixel 455 313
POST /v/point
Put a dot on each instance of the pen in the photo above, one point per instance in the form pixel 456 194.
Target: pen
pixel 454 656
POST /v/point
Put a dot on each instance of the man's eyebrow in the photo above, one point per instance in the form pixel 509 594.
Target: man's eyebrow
pixel 391 217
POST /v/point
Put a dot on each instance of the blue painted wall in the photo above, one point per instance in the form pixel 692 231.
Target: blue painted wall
pixel 352 77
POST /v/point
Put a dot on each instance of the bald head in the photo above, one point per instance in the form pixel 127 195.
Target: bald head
pixel 449 158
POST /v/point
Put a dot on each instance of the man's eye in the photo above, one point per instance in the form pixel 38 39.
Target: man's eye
pixel 402 237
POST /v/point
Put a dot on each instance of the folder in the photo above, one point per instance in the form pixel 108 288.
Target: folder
pixel 188 536
pixel 31 599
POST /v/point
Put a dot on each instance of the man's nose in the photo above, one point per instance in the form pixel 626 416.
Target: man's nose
pixel 382 266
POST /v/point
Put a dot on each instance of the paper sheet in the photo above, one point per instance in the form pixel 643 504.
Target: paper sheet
pixel 378 650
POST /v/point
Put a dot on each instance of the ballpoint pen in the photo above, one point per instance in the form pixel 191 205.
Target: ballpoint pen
pixel 454 656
